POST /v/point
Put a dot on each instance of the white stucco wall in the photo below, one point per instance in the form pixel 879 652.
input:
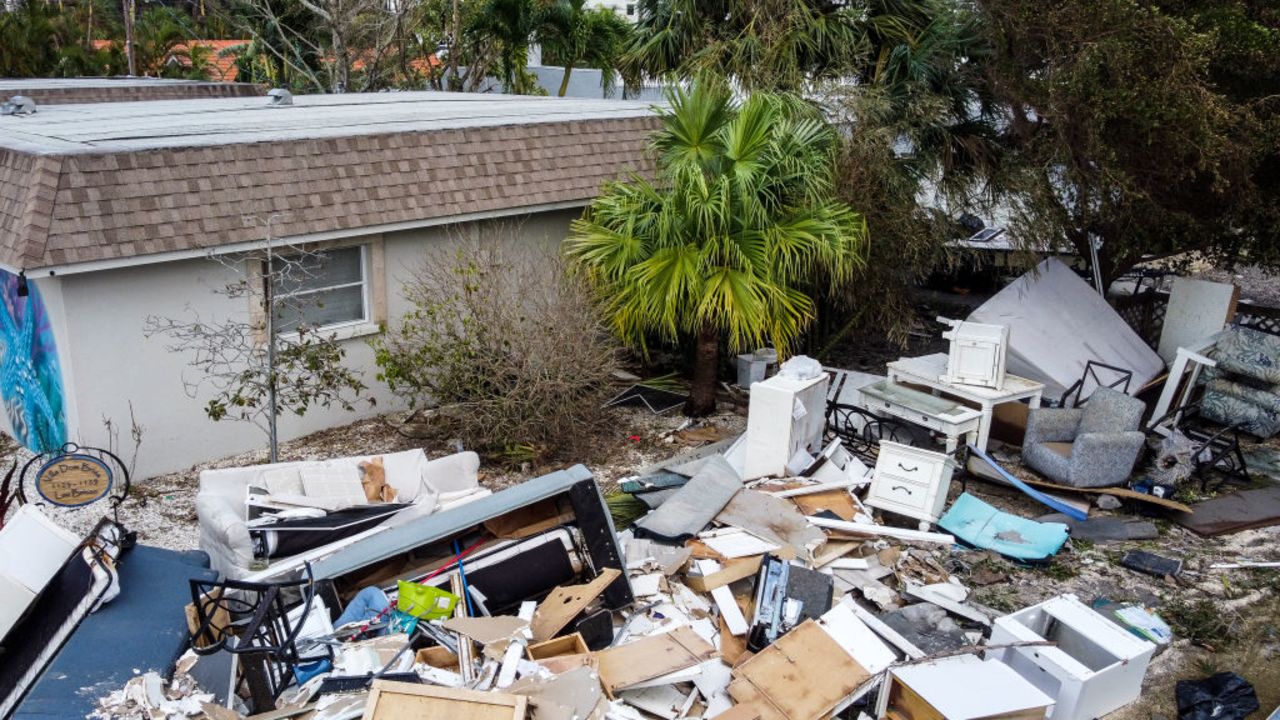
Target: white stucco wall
pixel 108 362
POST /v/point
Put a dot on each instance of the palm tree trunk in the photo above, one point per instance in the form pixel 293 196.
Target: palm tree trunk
pixel 706 365
pixel 564 83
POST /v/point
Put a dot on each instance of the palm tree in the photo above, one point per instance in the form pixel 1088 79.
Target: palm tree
pixel 740 219
pixel 574 36
pixel 512 23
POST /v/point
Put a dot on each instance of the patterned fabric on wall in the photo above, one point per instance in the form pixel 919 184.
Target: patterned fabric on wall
pixel 30 379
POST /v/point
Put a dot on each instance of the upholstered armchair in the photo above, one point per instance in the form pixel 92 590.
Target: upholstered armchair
pixel 1093 446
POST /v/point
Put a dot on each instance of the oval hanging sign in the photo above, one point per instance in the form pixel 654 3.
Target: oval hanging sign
pixel 73 480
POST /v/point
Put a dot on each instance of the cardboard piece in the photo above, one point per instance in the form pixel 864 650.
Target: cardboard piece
pixel 437 656
pixel 627 665
pixel 405 701
pixel 803 676
pixel 528 520
pixel 565 603
pixel 1234 512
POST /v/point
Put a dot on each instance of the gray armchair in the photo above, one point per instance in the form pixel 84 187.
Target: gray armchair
pixel 1093 446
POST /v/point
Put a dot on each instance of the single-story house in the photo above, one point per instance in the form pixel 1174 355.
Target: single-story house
pixel 110 213
pixel 68 91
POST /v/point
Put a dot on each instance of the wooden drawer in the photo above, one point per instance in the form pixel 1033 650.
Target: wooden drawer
pixel 911 469
pixel 892 491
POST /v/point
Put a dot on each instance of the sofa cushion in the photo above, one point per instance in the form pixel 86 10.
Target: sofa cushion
pixel 1245 351
pixel 339 483
pixel 404 473
pixel 282 481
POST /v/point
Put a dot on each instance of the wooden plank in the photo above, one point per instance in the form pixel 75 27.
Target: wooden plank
pixel 731 571
pixel 406 701
pixel 647 658
pixel 883 531
pixel 804 675
pixel 565 603
pixel 880 628
pixel 730 611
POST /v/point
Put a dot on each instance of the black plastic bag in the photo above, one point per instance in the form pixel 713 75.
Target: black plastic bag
pixel 1224 696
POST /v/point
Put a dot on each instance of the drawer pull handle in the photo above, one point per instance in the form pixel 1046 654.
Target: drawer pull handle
pixel 903 488
pixel 908 469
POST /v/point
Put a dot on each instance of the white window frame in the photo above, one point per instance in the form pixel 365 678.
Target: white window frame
pixel 370 251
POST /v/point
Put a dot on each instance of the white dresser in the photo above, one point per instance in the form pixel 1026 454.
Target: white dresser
pixel 786 417
pixel 911 481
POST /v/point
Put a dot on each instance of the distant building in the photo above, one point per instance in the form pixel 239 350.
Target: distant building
pixel 109 213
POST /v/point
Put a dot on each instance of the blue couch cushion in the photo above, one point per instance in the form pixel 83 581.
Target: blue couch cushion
pixel 144 628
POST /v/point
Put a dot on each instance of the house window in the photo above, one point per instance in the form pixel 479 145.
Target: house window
pixel 322 289
pixel 631 9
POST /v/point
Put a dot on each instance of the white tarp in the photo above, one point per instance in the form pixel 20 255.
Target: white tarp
pixel 1058 323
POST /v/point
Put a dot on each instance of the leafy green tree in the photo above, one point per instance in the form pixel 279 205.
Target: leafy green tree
pixel 760 44
pixel 511 24
pixel 1148 127
pixel 39 39
pixel 574 36
pixel 741 219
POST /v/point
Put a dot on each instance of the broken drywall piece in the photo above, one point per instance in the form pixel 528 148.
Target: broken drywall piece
pixel 563 604
pixel 572 695
pixel 772 519
pixel 692 507
pixel 664 701
pixel 1196 310
pixel 931 595
pixel 646 585
pixel 729 610
pixel 486 630
pixel 736 543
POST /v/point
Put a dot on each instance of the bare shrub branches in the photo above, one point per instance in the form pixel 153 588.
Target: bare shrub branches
pixel 505 344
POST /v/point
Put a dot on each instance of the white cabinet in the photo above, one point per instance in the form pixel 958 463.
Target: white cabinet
pixel 977 355
pixel 785 417
pixel 1092 667
pixel 911 481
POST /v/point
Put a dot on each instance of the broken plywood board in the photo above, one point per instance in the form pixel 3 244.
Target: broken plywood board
pixel 1196 310
pixel 1234 512
pixel 773 519
pixel 406 701
pixel 804 675
pixel 838 502
pixel 624 666
pixel 565 603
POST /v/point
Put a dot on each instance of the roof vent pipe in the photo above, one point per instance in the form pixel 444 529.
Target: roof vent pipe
pixel 279 97
pixel 18 105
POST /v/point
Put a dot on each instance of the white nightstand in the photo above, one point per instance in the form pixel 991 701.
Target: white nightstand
pixel 911 481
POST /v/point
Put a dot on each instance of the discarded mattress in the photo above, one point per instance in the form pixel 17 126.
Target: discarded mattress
pixel 142 629
pixel 981 525
pixel 1057 324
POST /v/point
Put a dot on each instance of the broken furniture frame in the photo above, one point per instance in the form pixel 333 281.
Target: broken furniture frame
pixel 861 432
pixel 1180 383
pixel 258 630
pixel 1215 448
pixel 1121 382
pixel 77 588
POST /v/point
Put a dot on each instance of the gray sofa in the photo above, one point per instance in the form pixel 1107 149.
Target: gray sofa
pixel 1093 446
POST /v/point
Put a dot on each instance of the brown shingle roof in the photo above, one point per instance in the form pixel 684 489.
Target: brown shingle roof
pixel 71 202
